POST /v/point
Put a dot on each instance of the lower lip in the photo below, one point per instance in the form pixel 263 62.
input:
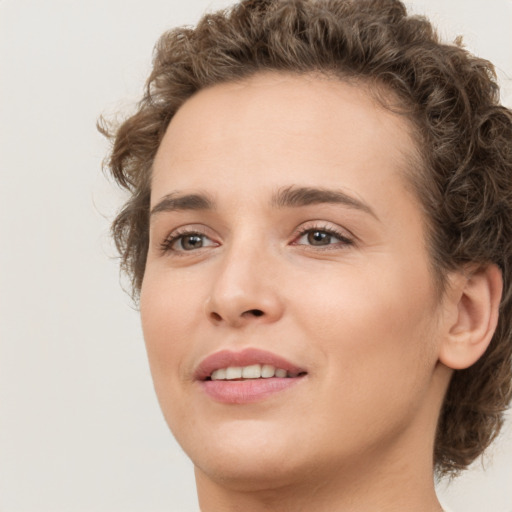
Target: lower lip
pixel 246 391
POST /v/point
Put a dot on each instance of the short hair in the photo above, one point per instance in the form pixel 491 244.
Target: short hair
pixel 463 134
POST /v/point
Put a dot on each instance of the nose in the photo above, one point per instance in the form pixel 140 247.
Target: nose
pixel 245 289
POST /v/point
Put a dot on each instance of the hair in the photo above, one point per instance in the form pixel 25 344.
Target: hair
pixel 463 134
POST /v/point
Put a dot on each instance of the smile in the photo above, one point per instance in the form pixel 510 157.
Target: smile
pixel 253 371
pixel 251 375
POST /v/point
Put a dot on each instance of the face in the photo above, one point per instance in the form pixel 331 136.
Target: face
pixel 284 241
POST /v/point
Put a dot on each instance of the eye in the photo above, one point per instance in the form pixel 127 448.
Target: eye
pixel 189 241
pixel 316 237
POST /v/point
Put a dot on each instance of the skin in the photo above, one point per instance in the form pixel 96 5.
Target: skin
pixel 361 314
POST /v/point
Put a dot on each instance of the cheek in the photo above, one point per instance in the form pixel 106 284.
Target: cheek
pixel 165 309
pixel 374 327
pixel 168 312
pixel 376 338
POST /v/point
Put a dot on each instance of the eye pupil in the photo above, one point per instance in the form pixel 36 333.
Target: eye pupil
pixel 319 238
pixel 192 242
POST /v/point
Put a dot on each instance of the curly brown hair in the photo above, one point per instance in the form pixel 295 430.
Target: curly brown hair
pixel 463 133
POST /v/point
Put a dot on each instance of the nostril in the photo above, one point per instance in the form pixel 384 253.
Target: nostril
pixel 250 313
pixel 255 312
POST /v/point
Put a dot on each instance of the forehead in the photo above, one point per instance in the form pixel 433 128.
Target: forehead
pixel 275 126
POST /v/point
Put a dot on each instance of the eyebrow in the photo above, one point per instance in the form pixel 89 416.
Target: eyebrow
pixel 288 197
pixel 176 202
pixel 294 197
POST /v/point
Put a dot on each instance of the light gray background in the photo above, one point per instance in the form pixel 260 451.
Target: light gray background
pixel 80 428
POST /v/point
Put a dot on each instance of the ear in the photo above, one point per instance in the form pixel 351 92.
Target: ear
pixel 471 314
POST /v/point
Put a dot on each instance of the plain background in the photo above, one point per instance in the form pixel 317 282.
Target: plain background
pixel 80 428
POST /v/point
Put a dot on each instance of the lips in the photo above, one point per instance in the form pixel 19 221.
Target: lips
pixel 223 375
pixel 247 357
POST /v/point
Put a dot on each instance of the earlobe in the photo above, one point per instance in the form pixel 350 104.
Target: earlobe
pixel 474 302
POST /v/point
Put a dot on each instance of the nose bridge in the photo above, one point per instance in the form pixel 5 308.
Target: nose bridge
pixel 244 289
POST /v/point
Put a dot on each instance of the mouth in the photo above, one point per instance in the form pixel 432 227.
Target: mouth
pixel 247 376
pixel 252 372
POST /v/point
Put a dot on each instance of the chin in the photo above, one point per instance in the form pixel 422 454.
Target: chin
pixel 245 455
pixel 246 473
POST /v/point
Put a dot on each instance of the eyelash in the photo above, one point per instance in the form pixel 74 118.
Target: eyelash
pixel 166 245
pixel 342 237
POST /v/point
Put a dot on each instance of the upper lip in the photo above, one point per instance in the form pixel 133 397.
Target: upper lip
pixel 246 357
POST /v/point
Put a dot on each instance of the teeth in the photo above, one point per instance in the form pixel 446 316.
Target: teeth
pixel 219 374
pixel 267 371
pixel 253 371
pixel 234 372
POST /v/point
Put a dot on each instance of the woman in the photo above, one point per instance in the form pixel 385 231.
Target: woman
pixel 319 234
